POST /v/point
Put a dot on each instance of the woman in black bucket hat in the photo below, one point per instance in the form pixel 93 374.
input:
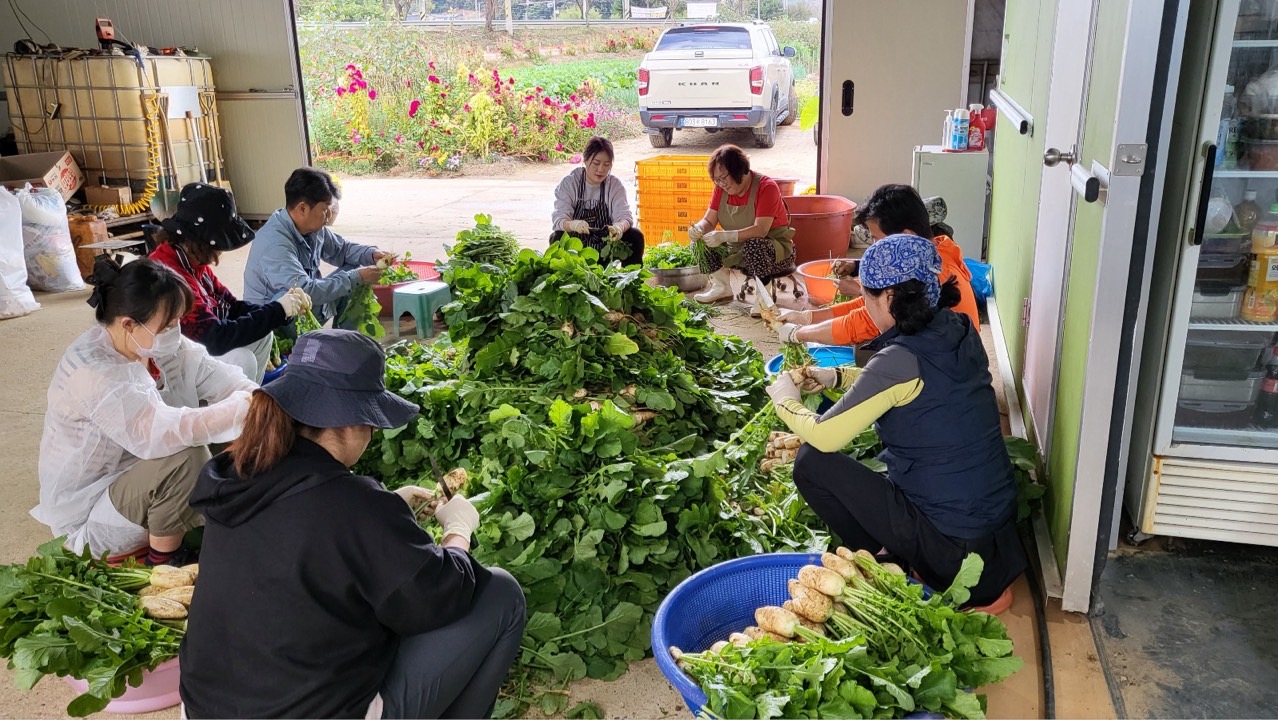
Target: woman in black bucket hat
pixel 319 595
pixel 239 333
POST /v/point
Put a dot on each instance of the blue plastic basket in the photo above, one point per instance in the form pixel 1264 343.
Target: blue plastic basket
pixel 823 355
pixel 721 600
pixel 715 603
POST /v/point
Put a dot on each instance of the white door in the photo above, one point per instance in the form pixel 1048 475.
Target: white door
pixel 889 72
pixel 1074 25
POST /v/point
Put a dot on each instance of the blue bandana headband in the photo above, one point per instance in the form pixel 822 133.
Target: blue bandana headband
pixel 899 258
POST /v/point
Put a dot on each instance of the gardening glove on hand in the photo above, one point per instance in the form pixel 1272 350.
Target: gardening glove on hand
pixel 786 331
pixel 579 227
pixel 695 232
pixel 797 317
pixel 813 380
pixel 415 496
pixel 614 232
pixel 292 303
pixel 458 517
pixel 783 388
pixel 719 237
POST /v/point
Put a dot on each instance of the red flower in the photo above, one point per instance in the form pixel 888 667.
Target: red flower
pixel 511 81
pixel 421 144
pixel 412 108
pixel 547 101
pixel 433 79
pixel 433 148
pixel 559 147
pixel 466 107
pixel 372 94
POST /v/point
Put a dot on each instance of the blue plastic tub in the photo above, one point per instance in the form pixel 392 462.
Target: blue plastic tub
pixel 272 374
pixel 717 602
pixel 824 355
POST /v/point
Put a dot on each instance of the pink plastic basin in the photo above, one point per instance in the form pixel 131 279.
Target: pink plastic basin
pixel 822 225
pixel 821 289
pixel 385 294
pixel 159 690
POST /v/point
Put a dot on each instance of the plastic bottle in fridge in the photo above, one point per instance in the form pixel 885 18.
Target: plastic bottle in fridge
pixel 1247 212
pixel 1267 404
pixel 1225 151
pixel 1260 300
pixel 1264 236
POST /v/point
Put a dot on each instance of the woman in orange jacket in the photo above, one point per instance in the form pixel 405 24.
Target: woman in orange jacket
pixel 891 210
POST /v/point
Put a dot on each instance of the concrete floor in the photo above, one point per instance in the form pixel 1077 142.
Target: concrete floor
pixel 421 216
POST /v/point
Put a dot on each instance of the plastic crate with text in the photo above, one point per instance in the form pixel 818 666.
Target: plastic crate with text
pixel 673 192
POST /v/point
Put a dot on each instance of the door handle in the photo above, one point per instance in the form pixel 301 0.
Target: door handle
pixel 1204 191
pixel 849 96
pixel 1053 157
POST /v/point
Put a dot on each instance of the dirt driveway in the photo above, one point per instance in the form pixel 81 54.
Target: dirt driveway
pixel 422 214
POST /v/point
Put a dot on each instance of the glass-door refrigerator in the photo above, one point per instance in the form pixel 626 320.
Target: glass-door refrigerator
pixel 1213 471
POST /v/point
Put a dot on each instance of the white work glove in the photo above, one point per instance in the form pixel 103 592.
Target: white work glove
pixel 783 388
pixel 415 496
pixel 716 238
pixel 695 232
pixel 579 227
pixel 458 517
pixel 295 302
pixel 786 331
pixel 614 232
pixel 797 317
pixel 813 380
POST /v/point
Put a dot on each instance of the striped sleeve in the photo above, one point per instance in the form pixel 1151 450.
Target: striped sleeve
pixel 891 379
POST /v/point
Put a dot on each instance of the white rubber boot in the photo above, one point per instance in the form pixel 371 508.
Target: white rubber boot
pixel 720 287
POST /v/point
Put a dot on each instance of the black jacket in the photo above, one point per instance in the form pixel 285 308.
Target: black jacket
pixel 308 575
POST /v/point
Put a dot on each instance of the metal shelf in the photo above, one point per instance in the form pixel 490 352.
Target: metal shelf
pixel 1243 437
pixel 1238 325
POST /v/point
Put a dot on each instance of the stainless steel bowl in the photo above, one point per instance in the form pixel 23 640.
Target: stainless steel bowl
pixel 686 279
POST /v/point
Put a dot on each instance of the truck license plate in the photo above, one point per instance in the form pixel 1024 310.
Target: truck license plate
pixel 700 122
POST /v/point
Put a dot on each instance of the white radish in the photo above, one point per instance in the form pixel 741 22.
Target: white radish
pixel 823 580
pixel 777 620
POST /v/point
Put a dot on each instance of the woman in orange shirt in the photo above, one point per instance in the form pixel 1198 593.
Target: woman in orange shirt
pixel 891 210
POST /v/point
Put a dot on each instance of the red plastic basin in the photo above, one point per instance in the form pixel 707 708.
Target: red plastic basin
pixel 386 293
pixel 822 225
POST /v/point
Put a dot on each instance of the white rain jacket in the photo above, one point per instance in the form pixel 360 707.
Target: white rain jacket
pixel 106 412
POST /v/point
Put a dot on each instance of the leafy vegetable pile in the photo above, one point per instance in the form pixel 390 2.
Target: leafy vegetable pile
pixel 361 313
pixel 71 615
pixel 485 243
pixel 577 397
pixel 872 646
pixel 398 272
pixel 669 256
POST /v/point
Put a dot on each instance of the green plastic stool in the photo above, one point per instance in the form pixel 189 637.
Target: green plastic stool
pixel 421 300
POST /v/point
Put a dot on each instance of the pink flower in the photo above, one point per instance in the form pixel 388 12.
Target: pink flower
pixel 408 84
pixel 547 101
pixel 361 84
pixel 340 91
pixel 353 88
pixel 496 75
pixel 399 139
pixel 443 95
pixel 572 98
pixel 372 94
pixel 421 144
pixel 413 107
pixel 567 107
pixel 351 68
pixel 471 79
pixel 434 124
pixel 528 98
pixel 466 107
pixel 511 81
pixel 559 147
pixel 434 148
pixel 539 90
pixel 575 159
pixel 431 65
pixel 433 79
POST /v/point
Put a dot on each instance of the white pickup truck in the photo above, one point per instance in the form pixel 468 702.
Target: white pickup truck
pixel 728 75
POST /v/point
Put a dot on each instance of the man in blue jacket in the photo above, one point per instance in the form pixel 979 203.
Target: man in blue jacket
pixel 290 246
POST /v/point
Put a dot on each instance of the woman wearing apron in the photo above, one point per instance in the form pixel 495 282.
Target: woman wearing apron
pixel 590 204
pixel 755 238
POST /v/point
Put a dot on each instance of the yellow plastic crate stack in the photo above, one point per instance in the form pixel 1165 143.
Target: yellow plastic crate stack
pixel 674 192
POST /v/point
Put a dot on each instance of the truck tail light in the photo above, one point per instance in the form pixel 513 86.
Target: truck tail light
pixel 756 80
pixel 643 81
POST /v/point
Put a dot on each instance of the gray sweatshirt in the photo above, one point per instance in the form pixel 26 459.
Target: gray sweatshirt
pixel 568 193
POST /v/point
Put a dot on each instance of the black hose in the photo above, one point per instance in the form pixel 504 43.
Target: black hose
pixel 1035 577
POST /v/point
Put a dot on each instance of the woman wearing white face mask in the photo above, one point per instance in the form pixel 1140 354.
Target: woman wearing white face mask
pixel 125 434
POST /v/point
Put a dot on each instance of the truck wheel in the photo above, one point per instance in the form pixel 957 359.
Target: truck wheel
pixel 663 138
pixel 766 136
pixel 792 107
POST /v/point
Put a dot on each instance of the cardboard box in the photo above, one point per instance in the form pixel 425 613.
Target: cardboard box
pixel 107 195
pixel 56 170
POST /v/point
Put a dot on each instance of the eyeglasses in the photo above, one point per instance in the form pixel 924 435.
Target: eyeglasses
pixel 720 180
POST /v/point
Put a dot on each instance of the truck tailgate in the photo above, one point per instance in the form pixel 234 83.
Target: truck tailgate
pixel 699 82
